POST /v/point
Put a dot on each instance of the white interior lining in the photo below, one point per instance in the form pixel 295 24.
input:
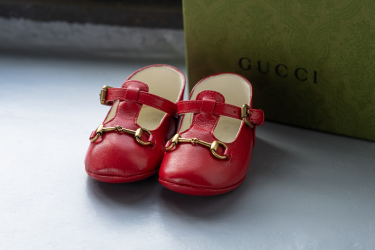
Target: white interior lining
pixel 163 81
pixel 235 90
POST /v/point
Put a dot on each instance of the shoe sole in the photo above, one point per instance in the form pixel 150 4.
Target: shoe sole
pixel 198 191
pixel 121 179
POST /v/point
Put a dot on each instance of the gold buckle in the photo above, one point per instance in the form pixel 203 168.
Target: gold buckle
pixel 137 134
pixel 103 95
pixel 213 146
pixel 245 112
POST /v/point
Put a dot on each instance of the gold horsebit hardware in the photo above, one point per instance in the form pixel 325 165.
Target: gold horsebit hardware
pixel 137 134
pixel 245 111
pixel 213 146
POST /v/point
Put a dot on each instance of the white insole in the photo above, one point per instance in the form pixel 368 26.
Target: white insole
pixel 235 90
pixel 162 81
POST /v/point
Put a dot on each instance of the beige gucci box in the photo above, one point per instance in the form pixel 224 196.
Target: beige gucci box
pixel 311 63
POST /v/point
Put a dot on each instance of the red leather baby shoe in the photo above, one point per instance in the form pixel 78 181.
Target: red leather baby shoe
pixel 129 145
pixel 211 153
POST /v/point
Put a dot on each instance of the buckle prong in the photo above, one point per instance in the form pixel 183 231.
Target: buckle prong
pixel 245 112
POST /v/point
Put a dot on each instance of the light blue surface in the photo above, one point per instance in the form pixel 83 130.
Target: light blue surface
pixel 305 189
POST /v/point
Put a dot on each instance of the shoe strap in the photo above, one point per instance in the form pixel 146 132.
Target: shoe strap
pixel 221 109
pixel 115 94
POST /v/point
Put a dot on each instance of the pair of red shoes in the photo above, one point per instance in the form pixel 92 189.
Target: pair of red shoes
pixel 209 155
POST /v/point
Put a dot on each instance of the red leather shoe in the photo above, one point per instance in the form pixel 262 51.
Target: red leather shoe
pixel 211 153
pixel 129 145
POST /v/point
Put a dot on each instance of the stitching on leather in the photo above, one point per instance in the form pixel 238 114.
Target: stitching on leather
pixel 117 90
pixel 118 97
pixel 184 185
pixel 182 110
pixel 227 115
pixel 155 96
pixel 122 176
pixel 189 102
pixel 228 104
pixel 157 107
pixel 257 120
pixel 167 102
pixel 231 106
pixel 188 111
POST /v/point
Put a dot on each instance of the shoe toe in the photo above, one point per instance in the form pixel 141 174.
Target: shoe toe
pixel 125 161
pixel 199 175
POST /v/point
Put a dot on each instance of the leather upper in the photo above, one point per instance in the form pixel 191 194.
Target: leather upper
pixel 192 168
pixel 256 116
pixel 116 156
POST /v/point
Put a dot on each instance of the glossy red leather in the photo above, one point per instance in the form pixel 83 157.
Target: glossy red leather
pixel 192 169
pixel 116 157
pixel 224 109
pixel 114 94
